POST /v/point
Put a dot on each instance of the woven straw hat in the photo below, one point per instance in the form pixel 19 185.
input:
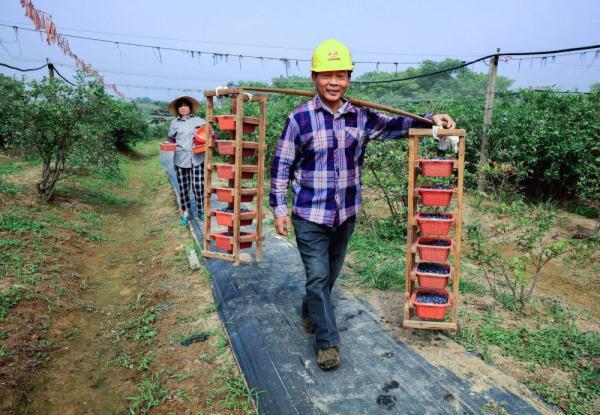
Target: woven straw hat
pixel 193 101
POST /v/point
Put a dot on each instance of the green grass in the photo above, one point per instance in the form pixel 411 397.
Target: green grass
pixel 9 188
pixel 377 261
pixel 237 395
pixel 556 342
pixel 151 393
pixel 10 297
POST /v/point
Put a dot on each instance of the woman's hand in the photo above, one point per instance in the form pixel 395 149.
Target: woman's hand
pixel 443 120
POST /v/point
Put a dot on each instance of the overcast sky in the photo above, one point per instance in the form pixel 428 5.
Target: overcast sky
pixel 380 31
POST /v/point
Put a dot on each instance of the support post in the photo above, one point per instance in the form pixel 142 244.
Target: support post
pixel 487 120
pixel 50 69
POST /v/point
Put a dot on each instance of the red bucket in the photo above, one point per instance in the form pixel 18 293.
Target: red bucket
pixel 227 123
pixel 432 279
pixel 227 148
pixel 226 195
pixel 430 310
pixel 227 171
pixel 436 167
pixel 434 226
pixel 223 240
pixel 429 252
pixel 168 146
pixel 226 218
pixel 435 197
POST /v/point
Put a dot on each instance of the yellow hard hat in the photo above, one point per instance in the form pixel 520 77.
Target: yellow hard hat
pixel 331 55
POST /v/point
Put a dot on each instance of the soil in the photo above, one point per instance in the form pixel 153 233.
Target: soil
pixel 83 356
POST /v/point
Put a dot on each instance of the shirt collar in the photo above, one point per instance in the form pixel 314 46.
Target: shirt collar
pixel 346 106
pixel 180 118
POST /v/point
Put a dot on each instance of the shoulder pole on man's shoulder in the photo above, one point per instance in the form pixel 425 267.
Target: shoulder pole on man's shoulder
pixel 354 101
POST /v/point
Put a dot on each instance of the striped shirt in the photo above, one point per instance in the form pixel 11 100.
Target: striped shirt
pixel 182 130
pixel 321 154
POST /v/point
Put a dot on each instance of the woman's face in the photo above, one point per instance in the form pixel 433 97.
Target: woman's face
pixel 183 110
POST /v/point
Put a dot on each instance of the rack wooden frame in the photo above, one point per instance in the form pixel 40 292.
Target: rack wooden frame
pixel 410 320
pixel 237 98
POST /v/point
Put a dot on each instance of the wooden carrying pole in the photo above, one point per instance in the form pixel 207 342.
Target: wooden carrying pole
pixel 354 101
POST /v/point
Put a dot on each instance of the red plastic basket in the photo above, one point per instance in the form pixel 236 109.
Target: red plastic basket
pixel 227 123
pixel 168 146
pixel 436 168
pixel 226 195
pixel 226 218
pixel 199 149
pixel 227 148
pixel 431 311
pixel 435 197
pixel 433 280
pixel 432 252
pixel 225 242
pixel 226 171
pixel 430 226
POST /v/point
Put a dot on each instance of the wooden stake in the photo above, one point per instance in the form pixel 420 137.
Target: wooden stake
pixel 410 236
pixel 487 120
pixel 208 173
pixel 237 192
pixel 262 129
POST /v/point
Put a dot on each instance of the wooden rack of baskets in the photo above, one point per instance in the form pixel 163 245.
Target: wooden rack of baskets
pixel 244 164
pixel 427 296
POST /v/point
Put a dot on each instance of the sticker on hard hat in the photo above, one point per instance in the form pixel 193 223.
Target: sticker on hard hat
pixel 333 56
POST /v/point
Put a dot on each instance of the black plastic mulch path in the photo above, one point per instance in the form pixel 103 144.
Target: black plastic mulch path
pixel 259 304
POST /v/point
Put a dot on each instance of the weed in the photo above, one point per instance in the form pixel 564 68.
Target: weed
pixel 207 357
pixel 5 352
pixel 379 263
pixel 151 393
pixel 10 297
pixel 144 363
pixel 237 395
pixel 466 286
pixel 182 377
pixel 9 188
pixel 557 342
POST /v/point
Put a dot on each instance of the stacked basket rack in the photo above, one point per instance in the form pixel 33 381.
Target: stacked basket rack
pixel 244 161
pixel 431 219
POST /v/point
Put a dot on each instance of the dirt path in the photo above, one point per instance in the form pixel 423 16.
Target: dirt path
pixel 114 344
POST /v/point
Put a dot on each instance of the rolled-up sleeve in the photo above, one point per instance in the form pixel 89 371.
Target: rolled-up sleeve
pixel 281 170
pixel 382 127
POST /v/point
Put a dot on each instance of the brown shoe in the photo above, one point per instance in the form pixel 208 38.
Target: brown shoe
pixel 308 324
pixel 328 359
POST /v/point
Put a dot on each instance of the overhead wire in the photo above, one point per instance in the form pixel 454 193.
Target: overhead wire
pixel 255 45
pixel 215 54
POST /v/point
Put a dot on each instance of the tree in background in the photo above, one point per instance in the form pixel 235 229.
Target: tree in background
pixel 72 129
pixel 12 96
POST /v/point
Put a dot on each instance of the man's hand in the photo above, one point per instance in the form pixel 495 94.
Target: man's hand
pixel 283 225
pixel 444 121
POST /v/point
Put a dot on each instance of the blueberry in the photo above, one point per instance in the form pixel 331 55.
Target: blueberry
pixel 435 242
pixel 432 268
pixel 431 298
pixel 434 216
pixel 229 209
pixel 231 234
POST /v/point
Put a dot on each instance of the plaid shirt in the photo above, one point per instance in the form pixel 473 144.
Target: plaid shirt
pixel 321 153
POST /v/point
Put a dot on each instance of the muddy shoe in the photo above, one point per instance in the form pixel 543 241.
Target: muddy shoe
pixel 308 324
pixel 328 359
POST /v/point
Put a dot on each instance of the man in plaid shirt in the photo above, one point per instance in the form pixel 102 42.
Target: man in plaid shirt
pixel 321 153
